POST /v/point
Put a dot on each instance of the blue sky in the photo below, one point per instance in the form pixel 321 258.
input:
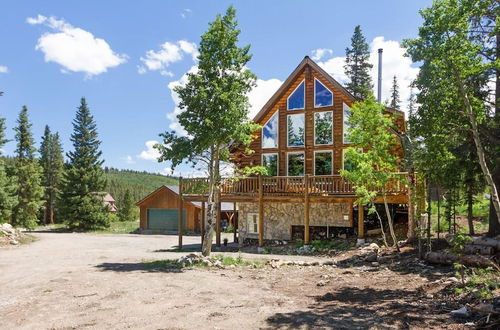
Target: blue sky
pixel 126 56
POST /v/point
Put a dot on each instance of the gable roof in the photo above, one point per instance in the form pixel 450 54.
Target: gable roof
pixel 175 190
pixel 291 78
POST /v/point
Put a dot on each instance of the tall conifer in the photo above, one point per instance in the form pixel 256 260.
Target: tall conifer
pixel 357 66
pixel 395 100
pixel 27 171
pixel 7 187
pixel 52 162
pixel 80 203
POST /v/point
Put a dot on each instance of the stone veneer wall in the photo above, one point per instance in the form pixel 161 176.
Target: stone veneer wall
pixel 279 217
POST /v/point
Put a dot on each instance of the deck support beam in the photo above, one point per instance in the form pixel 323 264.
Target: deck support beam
pixel 361 224
pixel 179 222
pixel 235 223
pixel 307 238
pixel 261 213
pixel 202 222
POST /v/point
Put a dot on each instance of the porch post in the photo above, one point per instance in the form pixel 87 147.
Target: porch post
pixel 261 213
pixel 361 224
pixel 202 222
pixel 235 222
pixel 306 210
pixel 179 222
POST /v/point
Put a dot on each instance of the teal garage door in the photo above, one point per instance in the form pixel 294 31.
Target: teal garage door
pixel 161 219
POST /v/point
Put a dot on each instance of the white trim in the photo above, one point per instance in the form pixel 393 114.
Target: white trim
pixel 287 131
pixel 314 161
pixel 302 82
pixel 277 160
pixel 314 128
pixel 277 132
pixel 295 153
pixel 322 106
pixel 344 123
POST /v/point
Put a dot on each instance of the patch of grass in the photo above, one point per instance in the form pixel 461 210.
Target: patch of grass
pixel 225 260
pixel 478 281
pixel 27 239
pixel 239 261
pixel 161 264
pixel 119 227
pixel 177 250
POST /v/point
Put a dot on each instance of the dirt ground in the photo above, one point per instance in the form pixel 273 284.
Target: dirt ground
pixel 80 281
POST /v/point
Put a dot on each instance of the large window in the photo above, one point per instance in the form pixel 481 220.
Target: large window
pixel 347 126
pixel 253 223
pixel 323 163
pixel 295 164
pixel 323 97
pixel 295 130
pixel 323 133
pixel 296 100
pixel 270 132
pixel 270 161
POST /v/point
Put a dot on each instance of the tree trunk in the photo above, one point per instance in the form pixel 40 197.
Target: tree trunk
pixel 411 206
pixel 439 210
pixel 470 202
pixel 494 223
pixel 212 201
pixel 381 227
pixel 429 214
pixel 479 147
pixel 391 224
pixel 448 259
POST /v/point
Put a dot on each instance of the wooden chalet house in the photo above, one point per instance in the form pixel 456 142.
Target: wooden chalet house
pixel 302 143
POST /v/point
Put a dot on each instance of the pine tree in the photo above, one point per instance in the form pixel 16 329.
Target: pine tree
pixel 127 210
pixel 29 190
pixel 357 66
pixel 52 162
pixel 395 100
pixel 80 204
pixel 7 187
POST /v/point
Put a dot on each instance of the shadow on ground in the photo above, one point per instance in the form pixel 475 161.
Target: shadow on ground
pixel 356 308
pixel 157 266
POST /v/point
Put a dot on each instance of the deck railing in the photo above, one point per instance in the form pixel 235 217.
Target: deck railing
pixel 287 186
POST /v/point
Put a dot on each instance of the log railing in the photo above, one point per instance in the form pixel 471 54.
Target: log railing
pixel 287 186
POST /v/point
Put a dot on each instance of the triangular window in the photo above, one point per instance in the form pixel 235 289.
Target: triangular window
pixel 296 100
pixel 323 97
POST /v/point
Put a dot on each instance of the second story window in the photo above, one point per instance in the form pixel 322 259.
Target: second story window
pixel 347 127
pixel 295 130
pixel 270 133
pixel 270 161
pixel 323 97
pixel 296 100
pixel 323 134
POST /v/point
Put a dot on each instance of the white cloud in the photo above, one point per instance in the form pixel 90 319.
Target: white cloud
pixel 167 171
pixel 170 52
pixel 4 69
pixel 75 49
pixel 186 12
pixel 393 63
pixel 261 93
pixel 318 54
pixel 129 159
pixel 150 153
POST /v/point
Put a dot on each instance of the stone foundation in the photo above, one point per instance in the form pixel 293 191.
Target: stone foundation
pixel 279 217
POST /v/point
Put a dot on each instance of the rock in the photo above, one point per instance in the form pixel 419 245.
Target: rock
pixel 453 279
pixel 375 264
pixel 374 246
pixel 315 263
pixel 328 263
pixel 382 260
pixel 429 296
pixel 323 282
pixel 231 266
pixel 207 263
pixel 371 257
pixel 14 242
pixel 218 264
pixel 325 276
pixel 274 263
pixel 461 312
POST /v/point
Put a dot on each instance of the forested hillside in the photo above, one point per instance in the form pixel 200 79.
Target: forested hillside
pixel 140 184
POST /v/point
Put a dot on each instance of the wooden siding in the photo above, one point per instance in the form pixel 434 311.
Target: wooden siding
pixel 164 198
pixel 339 98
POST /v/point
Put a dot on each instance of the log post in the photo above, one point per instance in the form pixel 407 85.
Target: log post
pixel 202 222
pixel 361 223
pixel 217 223
pixel 307 237
pixel 235 222
pixel 179 222
pixel 261 212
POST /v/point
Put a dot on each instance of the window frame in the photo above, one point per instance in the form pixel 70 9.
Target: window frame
pixel 277 161
pixel 344 124
pixel 287 131
pixel 277 131
pixel 314 161
pixel 250 218
pixel 288 161
pixel 321 106
pixel 314 124
pixel 293 92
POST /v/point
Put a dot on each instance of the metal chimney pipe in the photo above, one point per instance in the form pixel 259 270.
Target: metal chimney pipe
pixel 379 87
